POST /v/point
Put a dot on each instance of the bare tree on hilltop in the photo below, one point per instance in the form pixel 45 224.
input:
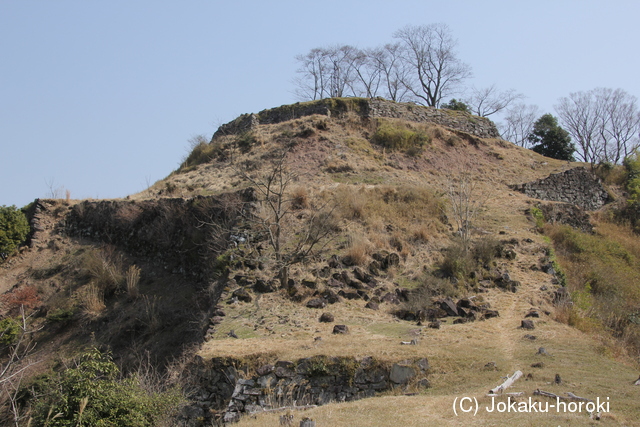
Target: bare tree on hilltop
pixel 436 70
pixel 603 122
pixel 422 67
pixel 518 124
pixel 488 101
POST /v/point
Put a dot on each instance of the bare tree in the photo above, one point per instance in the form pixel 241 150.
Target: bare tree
pixel 313 82
pixel 392 69
pixel 465 203
pixel 291 243
pixel 487 101
pixel 519 122
pixel 436 70
pixel 368 74
pixel 18 360
pixel 329 72
pixel 580 116
pixel 621 124
pixel 604 123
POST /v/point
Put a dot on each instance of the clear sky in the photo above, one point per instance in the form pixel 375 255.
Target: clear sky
pixel 101 97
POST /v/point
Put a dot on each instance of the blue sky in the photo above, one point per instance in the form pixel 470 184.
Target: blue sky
pixel 101 97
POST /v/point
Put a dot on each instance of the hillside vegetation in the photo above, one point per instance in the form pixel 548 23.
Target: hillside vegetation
pixel 225 267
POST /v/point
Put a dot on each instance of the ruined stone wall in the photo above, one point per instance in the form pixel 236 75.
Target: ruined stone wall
pixel 315 380
pixel 170 231
pixel 365 108
pixel 577 186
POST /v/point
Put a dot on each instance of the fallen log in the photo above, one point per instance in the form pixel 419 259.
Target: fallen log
pixel 570 395
pixel 539 392
pixel 578 398
pixel 509 381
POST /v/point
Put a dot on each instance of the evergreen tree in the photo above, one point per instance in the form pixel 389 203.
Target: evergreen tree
pixel 550 140
pixel 456 105
pixel 14 228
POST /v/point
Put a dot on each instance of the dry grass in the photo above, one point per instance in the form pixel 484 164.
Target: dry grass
pixel 132 278
pixel 92 301
pixel 358 250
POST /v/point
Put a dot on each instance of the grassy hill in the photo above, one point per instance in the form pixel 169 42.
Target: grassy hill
pixel 363 209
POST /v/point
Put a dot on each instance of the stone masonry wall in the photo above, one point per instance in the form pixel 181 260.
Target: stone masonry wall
pixel 577 186
pixel 315 380
pixel 366 108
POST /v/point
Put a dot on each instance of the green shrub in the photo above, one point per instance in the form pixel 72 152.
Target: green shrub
pixel 9 331
pixel 245 141
pixel 92 393
pixel 14 229
pixel 538 217
pixel 399 136
pixel 60 315
pixel 632 166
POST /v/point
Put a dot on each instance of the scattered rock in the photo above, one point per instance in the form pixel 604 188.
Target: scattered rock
pixel 435 324
pixel 264 287
pixel 372 305
pixel 488 314
pixel 530 337
pixel 311 284
pixel 527 324
pixel 532 313
pixel 557 380
pixel 242 295
pixel 509 254
pixel 537 365
pixel 448 306
pixel 317 303
pixel 423 383
pixel 491 366
pixel 330 296
pixel 327 318
pixel 340 329
pixel 543 351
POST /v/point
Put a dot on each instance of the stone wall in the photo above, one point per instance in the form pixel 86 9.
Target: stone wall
pixel 167 230
pixel 312 381
pixel 365 108
pixel 577 186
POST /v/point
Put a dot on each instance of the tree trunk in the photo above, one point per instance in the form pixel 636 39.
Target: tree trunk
pixel 502 387
pixel 284 277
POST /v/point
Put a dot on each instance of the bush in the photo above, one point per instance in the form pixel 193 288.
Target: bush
pixel 14 228
pixel 91 393
pixel 399 136
pixel 486 250
pixel 429 287
pixel 245 141
pixel 25 296
pixel 105 267
pixel 9 331
pixel 458 262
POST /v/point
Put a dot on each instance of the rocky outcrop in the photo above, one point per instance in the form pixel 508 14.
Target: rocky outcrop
pixel 577 186
pixel 367 109
pixel 316 380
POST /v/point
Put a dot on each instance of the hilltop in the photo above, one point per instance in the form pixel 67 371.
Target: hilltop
pixel 393 222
